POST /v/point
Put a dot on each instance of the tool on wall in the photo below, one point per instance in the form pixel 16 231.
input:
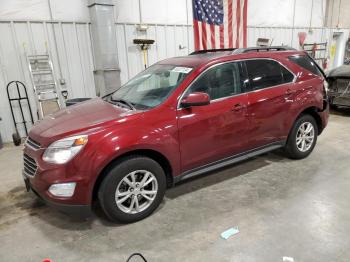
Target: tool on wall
pixel 17 92
pixel 44 84
pixel 144 45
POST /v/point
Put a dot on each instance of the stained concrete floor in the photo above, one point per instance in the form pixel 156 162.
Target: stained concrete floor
pixel 299 209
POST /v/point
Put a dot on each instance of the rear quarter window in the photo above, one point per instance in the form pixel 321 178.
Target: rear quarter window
pixel 264 73
pixel 306 63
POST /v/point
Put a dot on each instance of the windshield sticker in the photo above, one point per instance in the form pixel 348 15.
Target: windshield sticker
pixel 180 69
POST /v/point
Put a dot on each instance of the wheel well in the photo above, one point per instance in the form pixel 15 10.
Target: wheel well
pixel 313 112
pixel 156 156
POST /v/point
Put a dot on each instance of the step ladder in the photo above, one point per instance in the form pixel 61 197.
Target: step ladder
pixel 44 84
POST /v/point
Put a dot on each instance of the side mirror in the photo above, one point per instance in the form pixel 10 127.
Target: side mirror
pixel 195 99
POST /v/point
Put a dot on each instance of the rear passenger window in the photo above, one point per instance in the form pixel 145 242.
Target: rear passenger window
pixel 306 63
pixel 266 73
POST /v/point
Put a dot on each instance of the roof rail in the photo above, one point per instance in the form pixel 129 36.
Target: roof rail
pixel 245 50
pixel 263 49
pixel 212 51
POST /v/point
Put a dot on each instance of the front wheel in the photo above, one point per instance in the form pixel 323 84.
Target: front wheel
pixel 133 189
pixel 302 138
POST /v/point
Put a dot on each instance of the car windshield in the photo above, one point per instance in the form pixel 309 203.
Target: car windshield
pixel 151 87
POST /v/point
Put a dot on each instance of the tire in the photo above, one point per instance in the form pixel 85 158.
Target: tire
pixel 295 148
pixel 134 195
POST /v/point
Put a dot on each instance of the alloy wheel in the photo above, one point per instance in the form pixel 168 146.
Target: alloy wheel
pixel 305 136
pixel 136 191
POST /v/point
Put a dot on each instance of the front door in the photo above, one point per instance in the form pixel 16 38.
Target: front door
pixel 218 130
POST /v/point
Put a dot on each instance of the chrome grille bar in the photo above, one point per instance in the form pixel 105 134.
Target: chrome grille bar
pixel 33 144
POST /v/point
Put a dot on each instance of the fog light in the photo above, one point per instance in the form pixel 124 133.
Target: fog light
pixel 62 190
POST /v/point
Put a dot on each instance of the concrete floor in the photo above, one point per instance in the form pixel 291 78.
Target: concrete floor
pixel 299 209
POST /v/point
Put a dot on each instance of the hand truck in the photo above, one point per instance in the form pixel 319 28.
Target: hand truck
pixel 21 95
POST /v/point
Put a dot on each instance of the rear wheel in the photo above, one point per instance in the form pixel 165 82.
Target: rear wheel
pixel 302 138
pixel 133 189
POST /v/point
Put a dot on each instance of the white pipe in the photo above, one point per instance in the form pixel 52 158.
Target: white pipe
pixel 292 38
pixel 140 12
pixel 55 41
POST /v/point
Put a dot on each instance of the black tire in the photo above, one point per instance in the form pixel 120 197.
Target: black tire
pixel 291 147
pixel 17 140
pixel 108 187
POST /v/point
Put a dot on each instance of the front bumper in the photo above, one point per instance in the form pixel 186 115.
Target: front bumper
pixel 81 211
pixel 46 174
pixel 340 100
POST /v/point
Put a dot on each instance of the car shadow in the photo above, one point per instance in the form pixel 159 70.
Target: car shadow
pixel 28 205
pixel 225 173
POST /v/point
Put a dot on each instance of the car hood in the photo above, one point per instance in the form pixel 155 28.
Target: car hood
pixel 92 114
pixel 339 72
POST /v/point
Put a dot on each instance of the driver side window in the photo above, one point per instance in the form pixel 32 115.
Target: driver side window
pixel 220 81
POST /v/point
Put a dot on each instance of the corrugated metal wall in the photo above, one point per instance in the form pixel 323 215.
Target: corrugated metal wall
pixel 73 60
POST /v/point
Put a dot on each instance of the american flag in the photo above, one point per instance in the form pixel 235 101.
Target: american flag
pixel 219 23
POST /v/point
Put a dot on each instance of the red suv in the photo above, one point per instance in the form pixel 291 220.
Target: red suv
pixel 179 118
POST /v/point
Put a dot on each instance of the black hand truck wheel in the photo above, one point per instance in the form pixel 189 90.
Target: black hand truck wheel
pixel 16 139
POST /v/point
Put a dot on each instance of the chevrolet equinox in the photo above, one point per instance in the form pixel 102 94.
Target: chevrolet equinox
pixel 177 119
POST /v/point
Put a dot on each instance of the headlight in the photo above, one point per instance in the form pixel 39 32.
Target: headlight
pixel 63 150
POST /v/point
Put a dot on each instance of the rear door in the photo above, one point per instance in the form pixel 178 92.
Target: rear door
pixel 271 86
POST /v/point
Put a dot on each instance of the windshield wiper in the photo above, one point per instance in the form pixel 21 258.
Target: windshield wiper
pixel 119 100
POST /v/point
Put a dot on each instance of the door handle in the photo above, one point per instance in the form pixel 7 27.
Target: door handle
pixel 289 91
pixel 238 107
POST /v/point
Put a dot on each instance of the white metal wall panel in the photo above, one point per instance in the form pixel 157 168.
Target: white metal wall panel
pixel 168 39
pixel 74 58
pixel 85 58
pixel 153 52
pixel 135 56
pixel 123 55
pixel 161 42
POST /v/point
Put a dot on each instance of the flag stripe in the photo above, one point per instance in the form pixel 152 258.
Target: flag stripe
pixel 222 42
pixel 238 21
pixel 226 24
pixel 230 25
pixel 245 12
pixel 212 34
pixel 204 35
pixel 200 35
pixel 196 35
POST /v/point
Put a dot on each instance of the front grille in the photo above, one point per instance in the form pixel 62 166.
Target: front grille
pixel 30 165
pixel 30 142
